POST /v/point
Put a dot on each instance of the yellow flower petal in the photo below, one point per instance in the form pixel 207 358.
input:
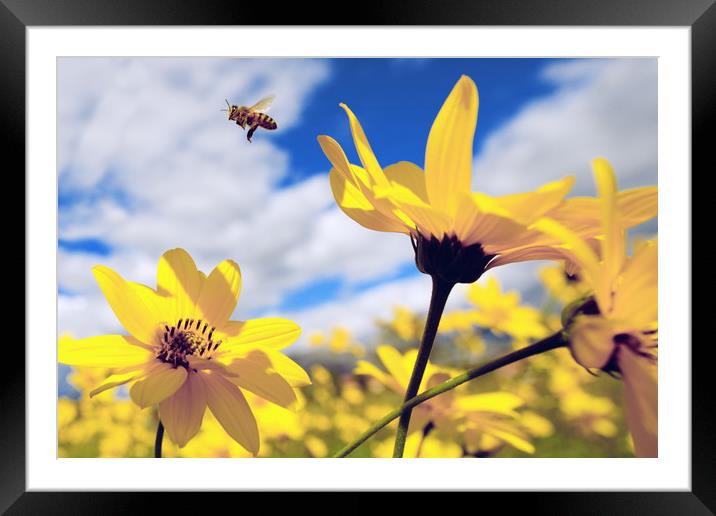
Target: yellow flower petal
pixel 182 413
pixel 637 295
pixel 357 206
pixel 591 339
pixel 230 408
pixel 637 205
pixel 220 293
pixel 528 254
pixel 482 219
pixel 178 277
pixel 410 176
pixel 529 206
pixel 116 380
pixel 103 351
pixel 583 255
pixel 503 403
pixel 641 392
pixel 512 438
pixel 448 154
pixel 159 384
pixel 396 365
pixel 366 368
pixel 255 373
pixel 613 242
pixel 365 153
pixel 266 332
pixel 427 219
pixel 284 366
pixel 140 310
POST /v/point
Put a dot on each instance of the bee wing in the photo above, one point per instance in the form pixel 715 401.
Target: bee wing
pixel 263 104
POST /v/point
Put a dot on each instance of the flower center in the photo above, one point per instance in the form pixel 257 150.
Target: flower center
pixel 448 259
pixel 187 337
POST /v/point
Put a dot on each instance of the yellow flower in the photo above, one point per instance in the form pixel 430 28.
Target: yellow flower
pixel 184 354
pixel 399 367
pixel 498 312
pixel 490 420
pixel 458 233
pixel 616 329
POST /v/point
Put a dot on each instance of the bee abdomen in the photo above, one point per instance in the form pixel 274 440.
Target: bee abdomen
pixel 267 122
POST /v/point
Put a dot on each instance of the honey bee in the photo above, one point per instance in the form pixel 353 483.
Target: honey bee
pixel 252 116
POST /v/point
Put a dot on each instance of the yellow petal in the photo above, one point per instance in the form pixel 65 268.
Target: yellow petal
pixel 357 206
pixel 513 438
pixel 613 242
pixel 591 340
pixel 159 384
pixel 641 392
pixel 116 380
pixel 182 413
pixel 334 152
pixel 482 219
pixel 637 205
pixel 426 218
pixel 140 310
pixel 368 369
pixel 266 332
pixel 636 299
pixel 255 373
pixel 503 403
pixel 410 176
pixel 290 370
pixel 396 364
pixel 365 153
pixel 178 277
pixel 230 408
pixel 529 254
pixel 220 293
pixel 583 255
pixel 448 154
pixel 529 206
pixel 103 351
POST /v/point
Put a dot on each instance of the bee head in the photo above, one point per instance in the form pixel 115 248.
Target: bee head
pixel 230 110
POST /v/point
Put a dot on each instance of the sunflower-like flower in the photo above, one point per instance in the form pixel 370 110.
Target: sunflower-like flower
pixel 616 328
pixel 184 354
pixel 482 423
pixel 457 233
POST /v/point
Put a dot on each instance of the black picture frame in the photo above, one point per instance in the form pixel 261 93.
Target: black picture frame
pixel 17 15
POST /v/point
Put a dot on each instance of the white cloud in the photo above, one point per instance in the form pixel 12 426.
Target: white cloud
pixel 600 108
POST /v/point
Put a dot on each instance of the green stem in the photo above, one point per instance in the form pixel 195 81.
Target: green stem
pixel 552 342
pixel 438 298
pixel 158 441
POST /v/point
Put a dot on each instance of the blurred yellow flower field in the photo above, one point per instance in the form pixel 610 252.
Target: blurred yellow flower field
pixel 546 407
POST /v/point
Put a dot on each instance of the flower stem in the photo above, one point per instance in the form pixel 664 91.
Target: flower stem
pixel 441 291
pixel 158 441
pixel 552 342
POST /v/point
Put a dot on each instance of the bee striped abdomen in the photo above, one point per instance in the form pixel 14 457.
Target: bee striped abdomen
pixel 266 122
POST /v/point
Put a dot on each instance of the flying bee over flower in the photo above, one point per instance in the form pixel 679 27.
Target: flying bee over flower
pixel 252 116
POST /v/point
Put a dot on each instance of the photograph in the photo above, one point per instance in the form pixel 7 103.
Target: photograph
pixel 357 257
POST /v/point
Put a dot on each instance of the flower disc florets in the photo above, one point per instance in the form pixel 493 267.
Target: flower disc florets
pixel 187 337
pixel 448 259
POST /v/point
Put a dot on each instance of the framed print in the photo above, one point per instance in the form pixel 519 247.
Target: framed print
pixel 425 239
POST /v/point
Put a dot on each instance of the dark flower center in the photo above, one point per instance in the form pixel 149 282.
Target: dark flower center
pixel 187 337
pixel 448 259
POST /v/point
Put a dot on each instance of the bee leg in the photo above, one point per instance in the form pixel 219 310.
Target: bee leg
pixel 251 132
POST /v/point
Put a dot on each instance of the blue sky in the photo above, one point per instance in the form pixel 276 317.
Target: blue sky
pixel 147 162
pixel 397 100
